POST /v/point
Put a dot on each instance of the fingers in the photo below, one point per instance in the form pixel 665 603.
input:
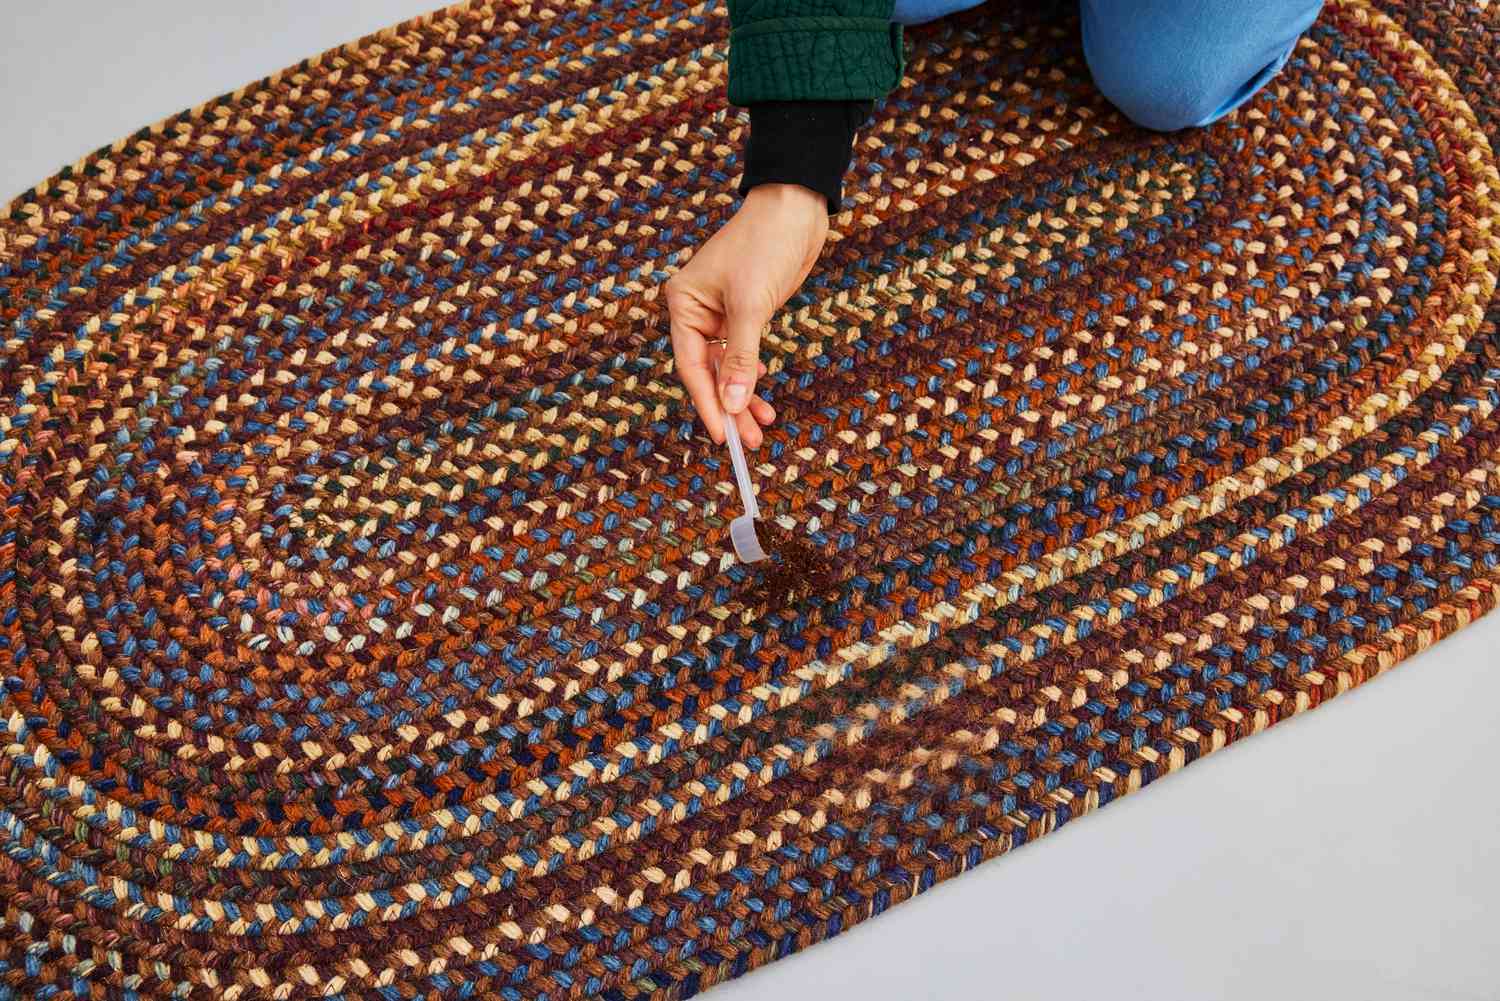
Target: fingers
pixel 741 361
pixel 698 377
pixel 692 324
pixel 750 433
pixel 696 322
pixel 693 353
pixel 756 415
pixel 759 414
pixel 763 412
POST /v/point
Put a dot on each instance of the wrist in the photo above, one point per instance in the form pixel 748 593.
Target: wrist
pixel 789 197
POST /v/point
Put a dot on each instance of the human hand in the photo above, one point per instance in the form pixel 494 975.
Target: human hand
pixel 730 290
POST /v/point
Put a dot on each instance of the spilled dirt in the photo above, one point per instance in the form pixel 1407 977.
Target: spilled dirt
pixel 797 568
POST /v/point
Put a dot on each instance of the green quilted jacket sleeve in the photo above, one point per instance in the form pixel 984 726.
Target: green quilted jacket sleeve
pixel 812 50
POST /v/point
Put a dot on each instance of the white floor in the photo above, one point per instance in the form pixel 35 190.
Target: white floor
pixel 1353 853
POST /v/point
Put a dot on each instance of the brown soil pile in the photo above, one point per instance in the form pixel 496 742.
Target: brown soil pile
pixel 797 568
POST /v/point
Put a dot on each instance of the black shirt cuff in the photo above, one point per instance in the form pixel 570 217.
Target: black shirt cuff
pixel 803 142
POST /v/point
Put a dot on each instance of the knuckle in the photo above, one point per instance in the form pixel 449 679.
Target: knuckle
pixel 757 300
pixel 681 290
pixel 740 360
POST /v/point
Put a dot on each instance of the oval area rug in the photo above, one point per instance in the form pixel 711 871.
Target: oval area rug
pixel 369 628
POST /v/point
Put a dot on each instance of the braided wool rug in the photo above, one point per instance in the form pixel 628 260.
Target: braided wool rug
pixel 369 629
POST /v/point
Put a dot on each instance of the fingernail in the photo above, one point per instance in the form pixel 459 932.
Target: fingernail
pixel 735 396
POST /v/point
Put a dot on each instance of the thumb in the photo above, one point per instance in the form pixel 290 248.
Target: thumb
pixel 741 361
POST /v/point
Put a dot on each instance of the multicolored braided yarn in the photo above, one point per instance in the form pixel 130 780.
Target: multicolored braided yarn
pixel 369 627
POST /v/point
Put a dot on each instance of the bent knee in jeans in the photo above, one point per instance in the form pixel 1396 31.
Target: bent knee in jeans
pixel 1171 64
pixel 922 11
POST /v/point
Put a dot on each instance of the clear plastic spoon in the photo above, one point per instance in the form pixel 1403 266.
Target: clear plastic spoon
pixel 742 529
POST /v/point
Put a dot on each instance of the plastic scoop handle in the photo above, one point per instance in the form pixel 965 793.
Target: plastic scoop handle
pixel 737 458
pixel 741 469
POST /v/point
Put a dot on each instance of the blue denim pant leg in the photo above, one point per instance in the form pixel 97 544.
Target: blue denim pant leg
pixel 1173 64
pixel 922 11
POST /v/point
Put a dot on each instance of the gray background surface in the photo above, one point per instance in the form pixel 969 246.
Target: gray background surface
pixel 1349 853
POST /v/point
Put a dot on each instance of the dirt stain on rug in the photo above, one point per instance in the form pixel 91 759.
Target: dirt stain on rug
pixel 798 568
